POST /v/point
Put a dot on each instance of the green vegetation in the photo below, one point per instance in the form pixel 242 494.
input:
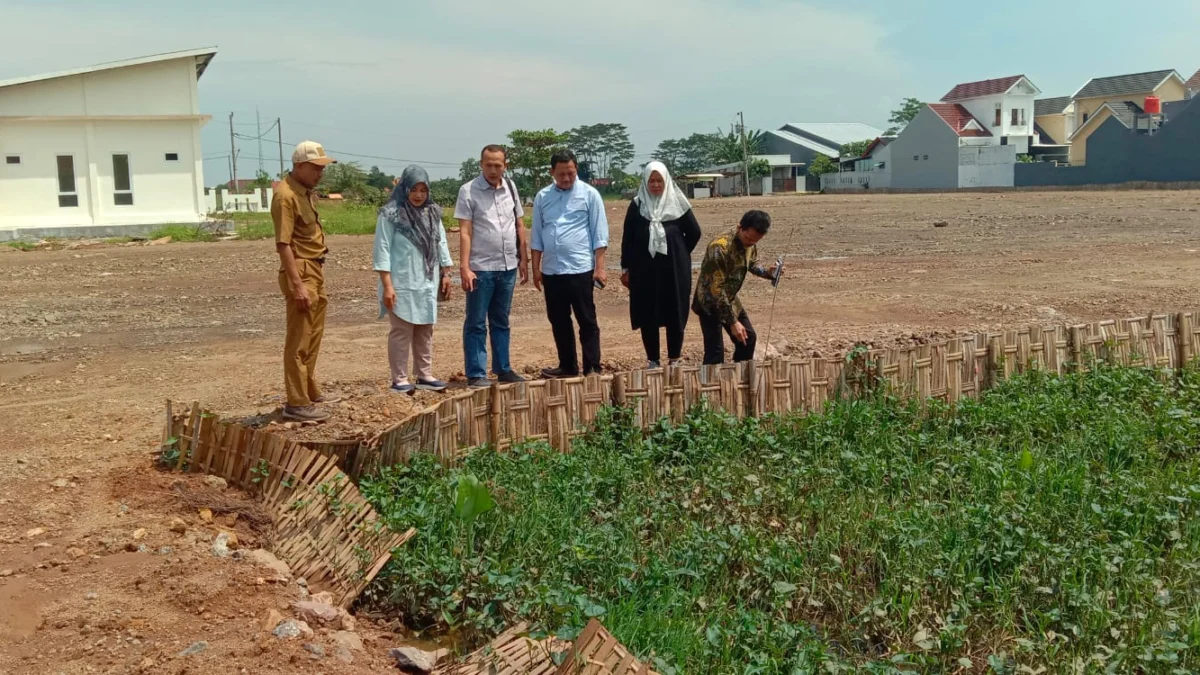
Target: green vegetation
pixel 822 165
pixel 907 112
pixel 22 245
pixel 1050 526
pixel 183 233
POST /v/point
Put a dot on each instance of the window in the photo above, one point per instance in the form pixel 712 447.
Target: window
pixel 999 116
pixel 67 197
pixel 12 159
pixel 1016 112
pixel 1022 117
pixel 1004 140
pixel 925 157
pixel 122 183
pixel 916 158
pixel 172 157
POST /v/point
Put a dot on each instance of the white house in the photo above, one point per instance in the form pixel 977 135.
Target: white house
pixel 104 150
pixel 1004 106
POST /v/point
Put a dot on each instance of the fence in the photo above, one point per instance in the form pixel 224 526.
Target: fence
pixel 595 652
pixel 324 529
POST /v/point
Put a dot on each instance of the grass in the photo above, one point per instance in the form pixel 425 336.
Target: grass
pixel 1050 526
pixel 22 245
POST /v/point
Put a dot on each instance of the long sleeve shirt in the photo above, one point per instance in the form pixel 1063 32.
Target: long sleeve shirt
pixel 568 227
pixel 722 272
pixel 416 294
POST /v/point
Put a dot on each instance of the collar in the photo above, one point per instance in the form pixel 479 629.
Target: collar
pixel 296 186
pixel 562 191
pixel 735 240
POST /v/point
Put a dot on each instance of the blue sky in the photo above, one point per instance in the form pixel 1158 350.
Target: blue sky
pixel 435 81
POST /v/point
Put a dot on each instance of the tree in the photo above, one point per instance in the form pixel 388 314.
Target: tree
pixel 469 170
pixel 604 146
pixel 689 155
pixel 856 149
pixel 379 180
pixel 760 168
pixel 822 165
pixel 900 118
pixel 343 177
pixel 262 179
pixel 444 192
pixel 529 155
pixel 727 148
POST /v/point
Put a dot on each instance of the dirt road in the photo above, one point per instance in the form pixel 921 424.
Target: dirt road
pixel 94 340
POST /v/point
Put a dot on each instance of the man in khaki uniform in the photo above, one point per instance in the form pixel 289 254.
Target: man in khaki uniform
pixel 300 242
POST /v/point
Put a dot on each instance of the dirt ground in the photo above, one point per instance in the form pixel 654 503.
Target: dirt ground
pixel 93 340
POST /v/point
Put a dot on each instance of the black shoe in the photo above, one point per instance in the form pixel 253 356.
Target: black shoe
pixel 557 373
pixel 510 376
pixel 479 383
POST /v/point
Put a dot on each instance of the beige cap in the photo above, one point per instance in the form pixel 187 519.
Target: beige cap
pixel 312 153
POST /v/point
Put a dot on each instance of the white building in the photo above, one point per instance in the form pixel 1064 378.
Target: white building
pixel 1003 106
pixel 105 150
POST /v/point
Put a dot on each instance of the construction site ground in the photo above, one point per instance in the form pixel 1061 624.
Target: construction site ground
pixel 98 576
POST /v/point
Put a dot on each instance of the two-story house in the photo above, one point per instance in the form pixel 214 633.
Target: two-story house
pixel 1193 85
pixel 1004 106
pixel 1119 95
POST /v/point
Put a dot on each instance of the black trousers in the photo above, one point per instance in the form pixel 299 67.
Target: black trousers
pixel 714 341
pixel 566 293
pixel 650 340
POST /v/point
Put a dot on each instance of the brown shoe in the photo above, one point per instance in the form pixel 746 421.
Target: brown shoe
pixel 305 413
pixel 326 399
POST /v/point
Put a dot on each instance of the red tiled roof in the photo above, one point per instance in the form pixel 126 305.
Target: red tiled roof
pixel 958 118
pixel 982 88
pixel 1194 82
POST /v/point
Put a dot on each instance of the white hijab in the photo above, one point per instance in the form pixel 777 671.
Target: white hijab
pixel 671 204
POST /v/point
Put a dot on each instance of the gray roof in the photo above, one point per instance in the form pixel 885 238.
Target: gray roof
pixel 1050 106
pixel 803 142
pixel 1124 85
pixel 836 134
pixel 1124 111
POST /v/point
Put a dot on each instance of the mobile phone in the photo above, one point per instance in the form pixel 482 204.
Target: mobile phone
pixel 598 284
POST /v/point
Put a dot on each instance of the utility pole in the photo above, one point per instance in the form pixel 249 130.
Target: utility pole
pixel 279 128
pixel 745 152
pixel 233 185
pixel 258 125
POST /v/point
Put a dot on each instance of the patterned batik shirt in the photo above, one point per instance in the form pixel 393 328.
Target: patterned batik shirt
pixel 726 262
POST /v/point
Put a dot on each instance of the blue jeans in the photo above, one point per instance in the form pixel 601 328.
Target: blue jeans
pixel 490 303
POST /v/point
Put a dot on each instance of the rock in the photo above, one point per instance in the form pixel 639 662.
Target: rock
pixel 42 545
pixel 35 532
pixel 317 651
pixel 941 223
pixel 166 550
pixel 61 483
pixel 413 660
pixel 316 612
pixel 6 573
pixel 215 482
pixel 348 640
pixel 206 515
pixel 132 547
pixel 272 620
pixel 267 559
pixel 324 597
pixel 147 665
pixel 139 533
pixel 347 620
pixel 305 631
pixel 220 547
pixel 343 655
pixel 91 596
pixel 231 539
pixel 160 241
pixel 302 582
pixel 196 648
pixel 76 553
pixel 287 630
pixel 178 526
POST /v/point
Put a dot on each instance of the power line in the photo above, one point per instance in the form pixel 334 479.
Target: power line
pixel 364 156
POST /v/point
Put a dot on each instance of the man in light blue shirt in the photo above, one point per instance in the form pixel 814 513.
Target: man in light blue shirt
pixel 569 241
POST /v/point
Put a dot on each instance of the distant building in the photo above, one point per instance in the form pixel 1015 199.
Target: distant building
pixel 1130 145
pixel 871 170
pixel 102 150
pixel 1193 85
pixel 1003 106
pixel 1103 97
pixel 803 142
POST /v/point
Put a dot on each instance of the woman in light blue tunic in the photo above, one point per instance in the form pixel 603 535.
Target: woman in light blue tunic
pixel 413 262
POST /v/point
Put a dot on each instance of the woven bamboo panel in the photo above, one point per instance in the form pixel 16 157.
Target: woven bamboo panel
pixel 597 652
pixel 1187 337
pixel 584 399
pixel 1142 341
pixel 645 396
pixel 1043 348
pixel 512 653
pixel 325 530
pixel 719 386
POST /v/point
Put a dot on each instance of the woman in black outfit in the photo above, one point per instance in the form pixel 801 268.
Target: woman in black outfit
pixel 656 261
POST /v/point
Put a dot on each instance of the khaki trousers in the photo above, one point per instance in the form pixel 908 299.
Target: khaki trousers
pixel 304 332
pixel 406 336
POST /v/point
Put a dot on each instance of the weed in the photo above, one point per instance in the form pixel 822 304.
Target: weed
pixel 22 245
pixel 1051 525
pixel 183 233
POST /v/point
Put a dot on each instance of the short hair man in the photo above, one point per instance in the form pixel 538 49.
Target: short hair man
pixel 726 261
pixel 492 250
pixel 569 240
pixel 300 242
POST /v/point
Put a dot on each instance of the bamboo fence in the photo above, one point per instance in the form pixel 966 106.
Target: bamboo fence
pixel 331 535
pixel 324 529
pixel 595 652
